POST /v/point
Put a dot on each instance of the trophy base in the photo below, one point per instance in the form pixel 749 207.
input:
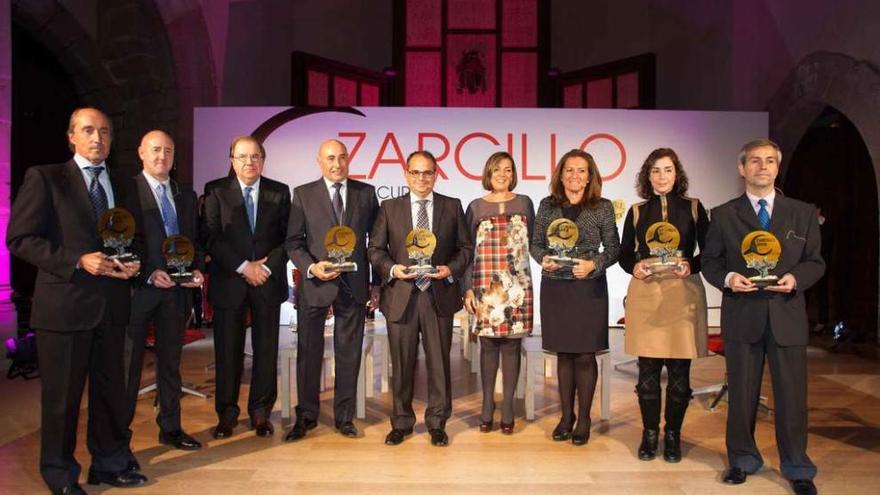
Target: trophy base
pixel 658 268
pixel 346 266
pixel 421 269
pixel 564 261
pixel 181 277
pixel 124 258
pixel 764 282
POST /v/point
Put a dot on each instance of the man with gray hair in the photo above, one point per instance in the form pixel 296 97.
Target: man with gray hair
pixel 765 319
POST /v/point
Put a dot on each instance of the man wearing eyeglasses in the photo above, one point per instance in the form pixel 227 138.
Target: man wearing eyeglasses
pixel 243 228
pixel 332 200
pixel 420 305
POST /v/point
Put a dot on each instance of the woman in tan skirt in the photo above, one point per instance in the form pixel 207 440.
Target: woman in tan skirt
pixel 666 301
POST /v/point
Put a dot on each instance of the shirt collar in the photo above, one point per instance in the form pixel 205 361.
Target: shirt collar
pixel 413 199
pixel 329 183
pixel 255 186
pixel 154 182
pixel 82 162
pixel 754 199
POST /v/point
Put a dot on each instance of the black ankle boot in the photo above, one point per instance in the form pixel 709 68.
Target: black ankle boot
pixel 648 447
pixel 672 446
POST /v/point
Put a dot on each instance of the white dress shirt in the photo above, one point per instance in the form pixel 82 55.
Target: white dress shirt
pixel 103 179
pixel 255 196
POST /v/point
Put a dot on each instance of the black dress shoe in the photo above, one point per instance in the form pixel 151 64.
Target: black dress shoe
pixel 672 446
pixel 562 432
pixel 122 479
pixel 263 427
pixel 73 489
pixel 734 476
pixel 803 487
pixel 347 429
pixel 298 432
pixel 223 430
pixel 507 428
pixel 133 466
pixel 396 436
pixel 486 426
pixel 648 447
pixel 439 438
pixel 179 440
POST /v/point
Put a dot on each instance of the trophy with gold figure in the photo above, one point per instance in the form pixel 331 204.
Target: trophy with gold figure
pixel 116 227
pixel 663 240
pixel 340 242
pixel 179 253
pixel 420 245
pixel 562 235
pixel 761 251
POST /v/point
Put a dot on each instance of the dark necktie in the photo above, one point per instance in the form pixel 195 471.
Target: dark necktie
pixel 96 191
pixel 422 280
pixel 169 216
pixel 249 206
pixel 338 209
pixel 763 214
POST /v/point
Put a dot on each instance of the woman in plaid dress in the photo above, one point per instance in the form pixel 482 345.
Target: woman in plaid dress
pixel 498 286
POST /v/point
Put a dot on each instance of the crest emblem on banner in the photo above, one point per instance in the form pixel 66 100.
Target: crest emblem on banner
pixel 471 72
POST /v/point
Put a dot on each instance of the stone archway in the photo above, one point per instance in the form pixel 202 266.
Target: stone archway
pixel 827 79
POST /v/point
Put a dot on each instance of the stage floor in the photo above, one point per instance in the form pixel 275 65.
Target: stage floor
pixel 844 408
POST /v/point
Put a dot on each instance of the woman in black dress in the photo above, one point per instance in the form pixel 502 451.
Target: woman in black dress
pixel 574 300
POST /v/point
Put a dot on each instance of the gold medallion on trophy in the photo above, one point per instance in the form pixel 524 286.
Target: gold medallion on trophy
pixel 340 242
pixel 663 240
pixel 562 235
pixel 116 227
pixel 179 253
pixel 420 245
pixel 761 251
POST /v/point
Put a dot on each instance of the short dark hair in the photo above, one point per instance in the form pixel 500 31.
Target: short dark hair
pixel 593 192
pixel 252 139
pixel 492 165
pixel 759 143
pixel 424 154
pixel 643 180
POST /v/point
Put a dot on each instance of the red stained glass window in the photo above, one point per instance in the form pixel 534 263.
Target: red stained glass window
pixel 369 95
pixel 599 94
pixel 423 79
pixel 471 14
pixel 423 23
pixel 573 96
pixel 520 82
pixel 344 92
pixel 519 25
pixel 628 90
pixel 317 95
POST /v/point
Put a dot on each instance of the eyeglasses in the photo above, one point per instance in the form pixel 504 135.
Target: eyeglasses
pixel 424 174
pixel 244 158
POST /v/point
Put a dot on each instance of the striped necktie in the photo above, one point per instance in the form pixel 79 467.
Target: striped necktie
pixel 422 280
pixel 96 191
pixel 763 214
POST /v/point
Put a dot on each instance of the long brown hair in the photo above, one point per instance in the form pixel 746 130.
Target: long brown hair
pixel 643 180
pixel 593 192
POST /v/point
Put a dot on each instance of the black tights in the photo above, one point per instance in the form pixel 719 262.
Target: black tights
pixel 577 372
pixel 678 392
pixel 508 351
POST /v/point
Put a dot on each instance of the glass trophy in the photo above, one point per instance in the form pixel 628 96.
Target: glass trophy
pixel 420 245
pixel 761 251
pixel 116 228
pixel 663 239
pixel 340 242
pixel 562 235
pixel 179 253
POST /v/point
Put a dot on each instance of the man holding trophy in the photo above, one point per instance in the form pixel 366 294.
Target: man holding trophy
pixel 421 246
pixel 328 243
pixel 80 306
pixel 762 250
pixel 167 225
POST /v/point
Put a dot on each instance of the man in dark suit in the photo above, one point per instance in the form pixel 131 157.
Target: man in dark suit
pixel 244 227
pixel 771 322
pixel 81 306
pixel 332 200
pixel 161 210
pixel 420 304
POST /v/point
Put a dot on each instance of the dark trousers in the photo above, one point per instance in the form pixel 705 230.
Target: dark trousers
pixel 348 338
pixel 167 310
pixel 678 391
pixel 788 369
pixel 66 359
pixel 507 351
pixel 420 319
pixel 229 337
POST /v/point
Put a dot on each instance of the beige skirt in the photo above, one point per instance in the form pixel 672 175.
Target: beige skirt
pixel 666 318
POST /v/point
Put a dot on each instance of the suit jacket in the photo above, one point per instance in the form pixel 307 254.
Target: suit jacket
pixel 388 248
pixel 227 237
pixel 52 224
pixel 744 315
pixel 150 230
pixel 305 238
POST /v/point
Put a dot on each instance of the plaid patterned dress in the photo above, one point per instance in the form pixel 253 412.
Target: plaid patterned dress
pixel 501 278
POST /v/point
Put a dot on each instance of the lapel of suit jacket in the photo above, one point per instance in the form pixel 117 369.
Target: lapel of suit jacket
pixel 779 217
pixel 148 203
pixel 747 214
pixel 265 203
pixel 77 187
pixel 437 213
pixel 350 195
pixel 322 200
pixel 235 196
